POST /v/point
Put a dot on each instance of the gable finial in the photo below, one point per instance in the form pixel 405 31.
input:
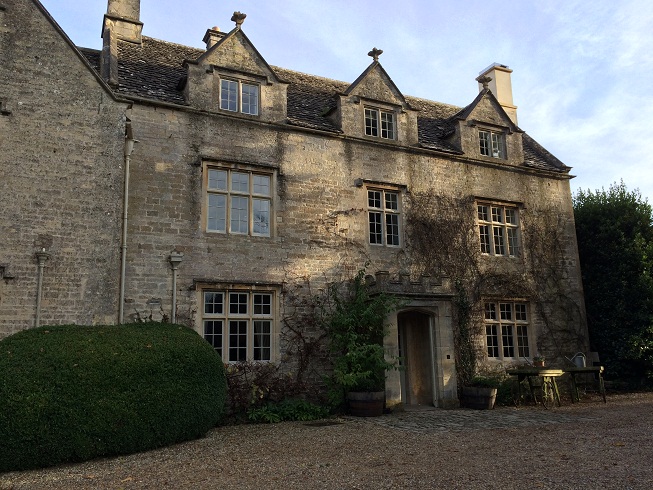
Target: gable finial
pixel 375 53
pixel 484 80
pixel 238 18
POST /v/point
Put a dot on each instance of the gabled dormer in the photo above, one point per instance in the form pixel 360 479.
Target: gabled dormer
pixel 486 129
pixel 233 78
pixel 373 108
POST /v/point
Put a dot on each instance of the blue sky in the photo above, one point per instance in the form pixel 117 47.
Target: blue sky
pixel 582 70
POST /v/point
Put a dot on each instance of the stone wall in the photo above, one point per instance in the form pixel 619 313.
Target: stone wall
pixel 61 159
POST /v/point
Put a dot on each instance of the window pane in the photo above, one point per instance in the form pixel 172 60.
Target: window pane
pixel 217 179
pixel 490 311
pixel 520 312
pixel 507 340
pixel 262 340
pixel 492 341
pixel 217 212
pixel 237 340
pixel 261 217
pixel 371 122
pixel 497 145
pixel 213 303
pixel 391 201
pixel 387 125
pixel 392 229
pixel 483 214
pixel 484 234
pixel 229 95
pixel 239 182
pixel 213 334
pixel 262 304
pixel 511 216
pixel 522 341
pixel 376 232
pixel 238 303
pixel 261 184
pixel 484 140
pixel 512 241
pixel 506 311
pixel 499 247
pixel 497 215
pixel 250 99
pixel 239 214
pixel 374 199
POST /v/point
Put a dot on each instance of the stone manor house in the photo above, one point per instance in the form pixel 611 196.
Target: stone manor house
pixel 209 188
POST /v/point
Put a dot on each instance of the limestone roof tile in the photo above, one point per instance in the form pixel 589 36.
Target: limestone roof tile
pixel 154 70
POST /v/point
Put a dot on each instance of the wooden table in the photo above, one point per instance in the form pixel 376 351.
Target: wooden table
pixel 548 377
pixel 596 371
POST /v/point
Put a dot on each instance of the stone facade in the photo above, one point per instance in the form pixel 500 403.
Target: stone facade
pixel 71 117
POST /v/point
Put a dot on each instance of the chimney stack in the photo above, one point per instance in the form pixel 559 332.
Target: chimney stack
pixel 212 37
pixel 501 87
pixel 123 20
pixel 121 23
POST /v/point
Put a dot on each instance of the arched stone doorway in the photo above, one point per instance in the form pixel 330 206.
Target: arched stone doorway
pixel 415 340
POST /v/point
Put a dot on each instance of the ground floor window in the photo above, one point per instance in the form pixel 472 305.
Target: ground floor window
pixel 506 330
pixel 239 324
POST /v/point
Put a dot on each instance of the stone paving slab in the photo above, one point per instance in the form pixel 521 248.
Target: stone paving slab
pixel 430 421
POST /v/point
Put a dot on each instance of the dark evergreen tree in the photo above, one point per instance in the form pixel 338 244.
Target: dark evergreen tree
pixel 615 244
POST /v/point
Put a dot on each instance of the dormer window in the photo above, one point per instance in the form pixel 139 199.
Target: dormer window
pixel 492 144
pixel 238 96
pixel 379 123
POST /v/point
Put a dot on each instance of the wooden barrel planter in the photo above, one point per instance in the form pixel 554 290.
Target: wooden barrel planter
pixel 480 398
pixel 366 403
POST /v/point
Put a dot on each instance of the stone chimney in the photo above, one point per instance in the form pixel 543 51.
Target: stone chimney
pixel 123 19
pixel 212 37
pixel 501 87
pixel 121 22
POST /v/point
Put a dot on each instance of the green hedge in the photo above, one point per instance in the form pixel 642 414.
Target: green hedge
pixel 72 393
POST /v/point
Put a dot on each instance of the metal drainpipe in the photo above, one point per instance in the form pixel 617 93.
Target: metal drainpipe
pixel 175 259
pixel 129 148
pixel 41 257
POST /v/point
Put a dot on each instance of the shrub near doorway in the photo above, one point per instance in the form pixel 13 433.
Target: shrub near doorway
pixel 356 331
pixel 72 393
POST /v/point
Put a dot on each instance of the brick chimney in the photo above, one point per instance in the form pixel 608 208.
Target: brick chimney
pixel 501 87
pixel 121 23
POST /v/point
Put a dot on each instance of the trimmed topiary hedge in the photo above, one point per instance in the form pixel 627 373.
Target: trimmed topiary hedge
pixel 72 393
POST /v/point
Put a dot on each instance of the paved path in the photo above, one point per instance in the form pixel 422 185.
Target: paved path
pixel 433 420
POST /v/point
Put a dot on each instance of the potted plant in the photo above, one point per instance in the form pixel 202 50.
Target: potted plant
pixel 538 361
pixel 356 329
pixel 480 393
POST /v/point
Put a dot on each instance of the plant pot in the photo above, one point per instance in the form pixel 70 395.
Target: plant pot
pixel 366 403
pixel 479 398
pixel 538 363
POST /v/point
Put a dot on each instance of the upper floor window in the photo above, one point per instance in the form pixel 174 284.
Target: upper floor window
pixel 383 216
pixel 238 201
pixel 238 96
pixel 379 123
pixel 492 144
pixel 506 330
pixel 498 228
pixel 239 323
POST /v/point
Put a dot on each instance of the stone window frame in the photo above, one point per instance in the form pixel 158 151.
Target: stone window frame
pixel 384 212
pixel 508 330
pixel 492 143
pixel 240 322
pixel 378 130
pixel 240 82
pixel 499 229
pixel 252 196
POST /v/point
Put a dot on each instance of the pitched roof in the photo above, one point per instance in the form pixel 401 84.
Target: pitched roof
pixel 155 69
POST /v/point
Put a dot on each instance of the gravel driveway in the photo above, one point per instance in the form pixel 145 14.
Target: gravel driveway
pixel 588 445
